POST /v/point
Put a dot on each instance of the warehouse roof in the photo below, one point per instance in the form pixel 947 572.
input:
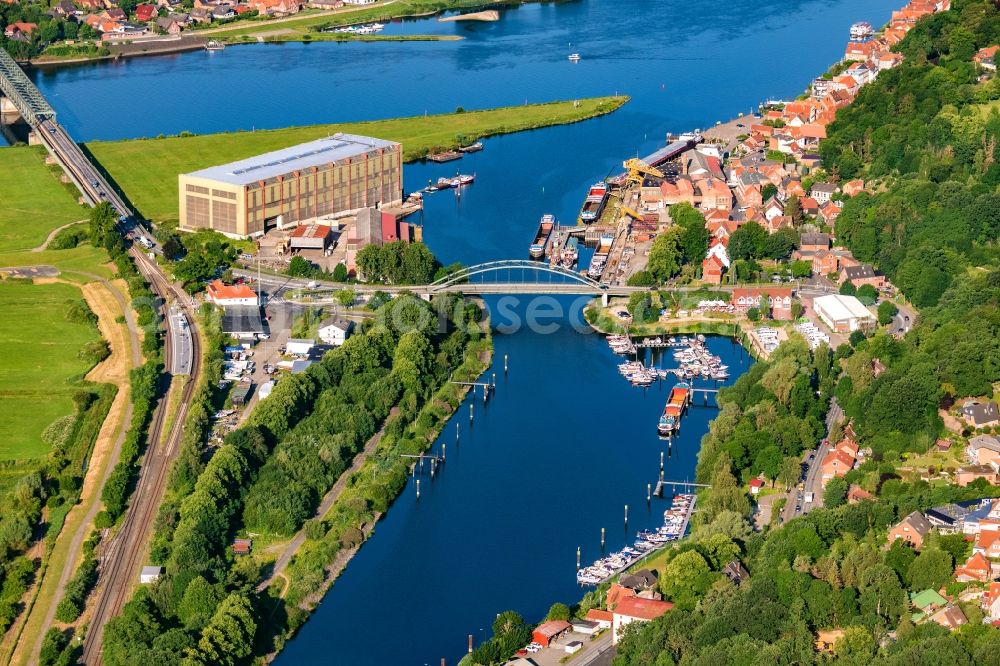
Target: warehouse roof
pixel 303 156
pixel 840 307
pixel 311 231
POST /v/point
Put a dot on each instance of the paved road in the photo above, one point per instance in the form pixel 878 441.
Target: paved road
pixel 812 480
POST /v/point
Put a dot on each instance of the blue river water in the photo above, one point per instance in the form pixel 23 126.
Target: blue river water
pixel 566 442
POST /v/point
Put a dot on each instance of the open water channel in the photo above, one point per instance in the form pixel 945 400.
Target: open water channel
pixel 566 442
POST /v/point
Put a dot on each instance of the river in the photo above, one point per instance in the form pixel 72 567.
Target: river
pixel 566 442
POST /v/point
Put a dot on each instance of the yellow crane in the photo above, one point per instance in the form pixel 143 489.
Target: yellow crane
pixel 631 213
pixel 638 170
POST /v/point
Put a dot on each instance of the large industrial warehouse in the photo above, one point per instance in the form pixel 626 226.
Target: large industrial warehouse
pixel 344 172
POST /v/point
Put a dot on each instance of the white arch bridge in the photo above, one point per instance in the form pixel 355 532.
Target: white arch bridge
pixel 521 276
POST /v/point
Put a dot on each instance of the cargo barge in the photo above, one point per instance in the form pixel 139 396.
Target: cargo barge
pixel 537 249
pixel 670 420
pixel 593 205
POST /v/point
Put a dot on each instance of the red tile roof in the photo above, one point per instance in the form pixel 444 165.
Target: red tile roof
pixel 644 609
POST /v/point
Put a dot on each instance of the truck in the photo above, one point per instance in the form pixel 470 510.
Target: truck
pixel 809 498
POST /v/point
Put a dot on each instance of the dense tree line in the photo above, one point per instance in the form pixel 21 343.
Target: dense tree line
pixel 268 476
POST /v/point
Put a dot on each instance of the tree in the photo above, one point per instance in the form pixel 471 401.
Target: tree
pixel 748 242
pixel 797 309
pixel 340 273
pixel 780 244
pixel 228 638
pixel 558 611
pixel 640 306
pixel 887 311
pixel 791 471
pixel 931 569
pixel 694 235
pixel 856 338
pixel 753 314
pixel 768 191
pixel 835 493
pixel 346 297
pixel 856 646
pixel 686 578
pixel 793 209
pixel 665 255
pixel 848 289
pixel 801 269
pixel 300 267
pixel 867 294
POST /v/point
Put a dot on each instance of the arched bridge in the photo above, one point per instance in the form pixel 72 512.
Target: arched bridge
pixel 521 276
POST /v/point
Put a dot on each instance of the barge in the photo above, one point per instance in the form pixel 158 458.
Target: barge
pixel 670 420
pixel 537 248
pixel 593 205
pixel 446 156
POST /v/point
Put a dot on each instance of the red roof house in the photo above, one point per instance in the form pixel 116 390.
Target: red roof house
pixel 636 610
pixel 145 13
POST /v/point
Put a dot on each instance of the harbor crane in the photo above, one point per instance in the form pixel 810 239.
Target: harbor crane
pixel 638 170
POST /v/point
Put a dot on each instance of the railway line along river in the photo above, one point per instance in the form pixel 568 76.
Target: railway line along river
pixel 566 442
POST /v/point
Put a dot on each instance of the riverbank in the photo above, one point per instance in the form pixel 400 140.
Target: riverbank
pixel 195 42
pixel 299 27
pixel 146 169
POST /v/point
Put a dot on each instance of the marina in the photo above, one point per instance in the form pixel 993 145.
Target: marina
pixel 675 524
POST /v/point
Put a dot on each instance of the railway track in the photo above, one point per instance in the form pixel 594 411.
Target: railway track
pixel 121 562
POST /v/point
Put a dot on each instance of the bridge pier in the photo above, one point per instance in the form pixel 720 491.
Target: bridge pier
pixel 604 299
pixel 8 112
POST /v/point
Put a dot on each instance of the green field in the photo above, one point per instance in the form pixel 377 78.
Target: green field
pixel 147 169
pixel 39 351
pixel 32 200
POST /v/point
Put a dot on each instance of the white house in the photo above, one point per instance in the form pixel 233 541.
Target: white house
pixel 230 295
pixel 335 331
pixel 150 575
pixel 299 346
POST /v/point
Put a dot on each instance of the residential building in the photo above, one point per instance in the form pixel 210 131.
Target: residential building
pixel 843 314
pixel 634 609
pixel 981 414
pixel 986 57
pixel 976 568
pixel 755 486
pixel 853 188
pixel 987 544
pixel 341 173
pixel 984 450
pixel 712 269
pixel 335 331
pixel 991 601
pixel 861 274
pixel 927 602
pixel 20 31
pixel 911 529
pixel 225 295
pixel 145 13
pixel 857 494
pixel 822 192
pixel 735 572
pixel 949 617
pixel 813 242
pixel 775 302
pixel 837 462
pixel 970 473
pixel 603 618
